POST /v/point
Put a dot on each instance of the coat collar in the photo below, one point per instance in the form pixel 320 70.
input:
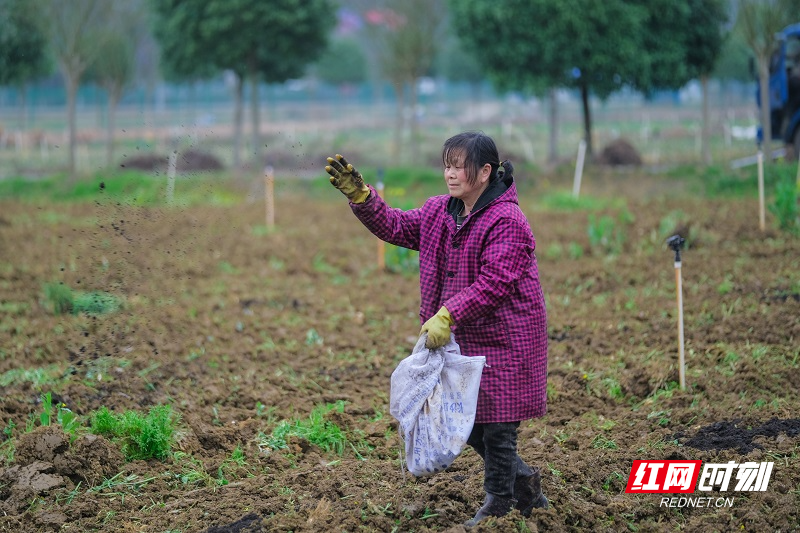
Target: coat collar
pixel 494 191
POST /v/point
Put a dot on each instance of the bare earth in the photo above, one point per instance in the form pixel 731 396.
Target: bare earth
pixel 238 330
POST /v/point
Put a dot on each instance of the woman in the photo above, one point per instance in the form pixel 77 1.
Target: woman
pixel 478 279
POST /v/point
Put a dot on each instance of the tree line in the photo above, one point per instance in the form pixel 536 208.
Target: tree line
pixel 533 47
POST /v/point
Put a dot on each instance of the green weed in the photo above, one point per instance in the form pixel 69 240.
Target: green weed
pixel 37 377
pixel 141 437
pixel 126 187
pixel 192 470
pixel 605 235
pixel 401 260
pixel 785 205
pixel 725 286
pixel 614 388
pixel 63 300
pixel 14 308
pixel 227 268
pixel 316 429
pixel 118 486
pixel 60 298
pixel 603 442
pixel 66 497
pixel 565 201
pixel 313 338
pixel 7 449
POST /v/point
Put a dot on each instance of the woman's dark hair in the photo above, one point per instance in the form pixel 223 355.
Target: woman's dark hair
pixel 472 150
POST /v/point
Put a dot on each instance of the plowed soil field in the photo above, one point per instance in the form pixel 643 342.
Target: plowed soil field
pixel 243 331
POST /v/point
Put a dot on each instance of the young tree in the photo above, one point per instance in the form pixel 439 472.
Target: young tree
pixel 682 41
pixel 410 33
pixel 22 49
pixel 273 41
pixel 594 47
pixel 342 63
pixel 706 37
pixel 536 45
pixel 113 70
pixel 74 30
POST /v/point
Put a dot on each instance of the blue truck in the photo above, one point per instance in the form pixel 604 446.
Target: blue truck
pixel 784 90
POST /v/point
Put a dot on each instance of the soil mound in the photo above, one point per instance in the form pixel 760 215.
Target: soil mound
pixel 250 523
pixel 88 459
pixel 730 435
pixel 198 161
pixel 620 152
pixel 146 162
pixel 188 161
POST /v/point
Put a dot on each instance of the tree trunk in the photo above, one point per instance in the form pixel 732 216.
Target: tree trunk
pixel 587 119
pixel 706 132
pixel 255 117
pixel 552 151
pixel 238 90
pixel 414 126
pixel 114 94
pixel 766 119
pixel 71 80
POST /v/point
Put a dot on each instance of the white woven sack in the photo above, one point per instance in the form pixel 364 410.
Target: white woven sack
pixel 434 396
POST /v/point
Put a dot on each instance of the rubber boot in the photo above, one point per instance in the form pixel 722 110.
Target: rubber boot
pixel 492 506
pixel 528 492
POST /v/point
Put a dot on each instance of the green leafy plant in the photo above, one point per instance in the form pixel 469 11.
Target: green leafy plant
pixel 47 409
pixel 605 236
pixel 401 260
pixel 316 429
pixel 603 442
pixel 63 300
pixel 60 298
pixel 785 206
pixel 141 437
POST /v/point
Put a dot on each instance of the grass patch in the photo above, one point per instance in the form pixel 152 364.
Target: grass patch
pixel 141 437
pixel 317 429
pixel 126 187
pixel 720 181
pixel 63 300
pixel 565 201
pixel 37 377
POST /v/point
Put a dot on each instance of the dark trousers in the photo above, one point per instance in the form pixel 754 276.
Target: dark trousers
pixel 497 444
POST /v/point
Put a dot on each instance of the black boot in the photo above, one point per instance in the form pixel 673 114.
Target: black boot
pixel 492 506
pixel 528 492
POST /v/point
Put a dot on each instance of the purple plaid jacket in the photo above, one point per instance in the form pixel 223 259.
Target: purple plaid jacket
pixel 486 275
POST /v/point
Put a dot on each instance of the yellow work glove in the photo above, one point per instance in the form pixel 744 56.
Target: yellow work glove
pixel 438 329
pixel 347 179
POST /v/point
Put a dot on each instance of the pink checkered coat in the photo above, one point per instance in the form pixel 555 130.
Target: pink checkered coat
pixel 486 275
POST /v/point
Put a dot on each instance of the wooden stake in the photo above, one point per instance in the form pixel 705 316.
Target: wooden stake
pixel 576 186
pixel 761 219
pixel 381 250
pixel 269 195
pixel 681 357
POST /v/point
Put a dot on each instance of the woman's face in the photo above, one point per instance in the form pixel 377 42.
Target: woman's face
pixel 458 185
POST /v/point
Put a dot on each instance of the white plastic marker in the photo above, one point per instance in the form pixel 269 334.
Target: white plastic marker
pixel 269 195
pixel 676 243
pixel 576 186
pixel 761 221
